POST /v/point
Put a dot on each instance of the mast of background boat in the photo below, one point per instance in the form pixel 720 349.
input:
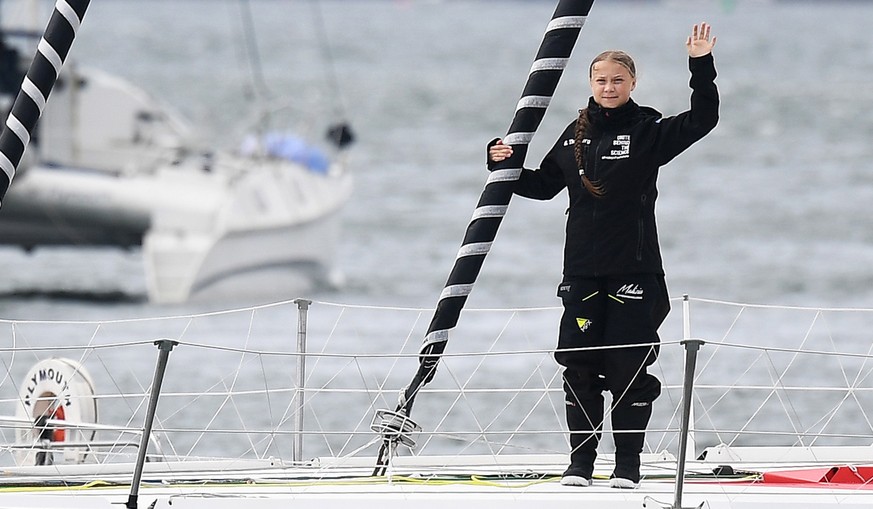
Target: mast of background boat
pixel 551 59
pixel 37 85
pixel 259 85
pixel 338 134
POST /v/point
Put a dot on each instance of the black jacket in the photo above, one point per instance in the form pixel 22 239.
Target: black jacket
pixel 616 232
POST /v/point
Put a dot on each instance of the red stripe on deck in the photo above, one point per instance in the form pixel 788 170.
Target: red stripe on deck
pixel 857 476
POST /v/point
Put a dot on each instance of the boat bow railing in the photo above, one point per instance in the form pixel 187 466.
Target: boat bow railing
pixel 794 382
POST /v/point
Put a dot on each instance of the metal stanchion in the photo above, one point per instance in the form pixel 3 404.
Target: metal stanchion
pixel 302 314
pixel 691 348
pixel 164 348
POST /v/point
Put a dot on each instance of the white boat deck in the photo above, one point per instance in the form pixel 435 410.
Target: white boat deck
pixel 426 482
pixel 250 415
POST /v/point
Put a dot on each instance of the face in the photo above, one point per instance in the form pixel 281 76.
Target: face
pixel 611 84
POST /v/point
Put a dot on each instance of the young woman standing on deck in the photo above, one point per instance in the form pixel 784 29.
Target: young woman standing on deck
pixel 613 290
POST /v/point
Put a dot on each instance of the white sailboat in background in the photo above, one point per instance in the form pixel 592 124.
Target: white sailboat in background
pixel 109 165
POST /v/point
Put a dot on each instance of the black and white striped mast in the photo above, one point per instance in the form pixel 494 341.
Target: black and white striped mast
pixel 545 73
pixel 37 85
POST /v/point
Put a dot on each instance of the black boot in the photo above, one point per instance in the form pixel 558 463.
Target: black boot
pixel 584 419
pixel 629 421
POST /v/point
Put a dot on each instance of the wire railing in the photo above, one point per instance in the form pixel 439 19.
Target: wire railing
pixel 254 384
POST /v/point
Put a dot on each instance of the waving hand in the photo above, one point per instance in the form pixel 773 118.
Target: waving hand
pixel 699 43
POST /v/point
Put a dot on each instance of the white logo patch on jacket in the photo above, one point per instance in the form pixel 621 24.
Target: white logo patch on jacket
pixel 620 147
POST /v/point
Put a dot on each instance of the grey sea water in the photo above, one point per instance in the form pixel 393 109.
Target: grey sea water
pixel 770 208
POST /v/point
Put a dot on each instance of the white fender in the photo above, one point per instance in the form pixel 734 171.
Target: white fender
pixel 62 390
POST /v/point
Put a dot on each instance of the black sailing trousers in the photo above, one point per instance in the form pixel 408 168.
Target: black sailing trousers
pixel 601 317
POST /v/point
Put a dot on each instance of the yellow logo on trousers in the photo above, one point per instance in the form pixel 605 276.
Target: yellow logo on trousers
pixel 583 324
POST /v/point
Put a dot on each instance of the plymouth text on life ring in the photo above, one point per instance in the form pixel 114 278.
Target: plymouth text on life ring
pixel 54 376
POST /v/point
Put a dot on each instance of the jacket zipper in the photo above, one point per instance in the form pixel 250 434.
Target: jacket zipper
pixel 593 159
pixel 640 228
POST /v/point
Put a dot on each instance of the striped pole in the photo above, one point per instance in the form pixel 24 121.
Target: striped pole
pixel 37 85
pixel 551 59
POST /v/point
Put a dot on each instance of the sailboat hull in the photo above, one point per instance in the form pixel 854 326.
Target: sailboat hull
pixel 270 263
